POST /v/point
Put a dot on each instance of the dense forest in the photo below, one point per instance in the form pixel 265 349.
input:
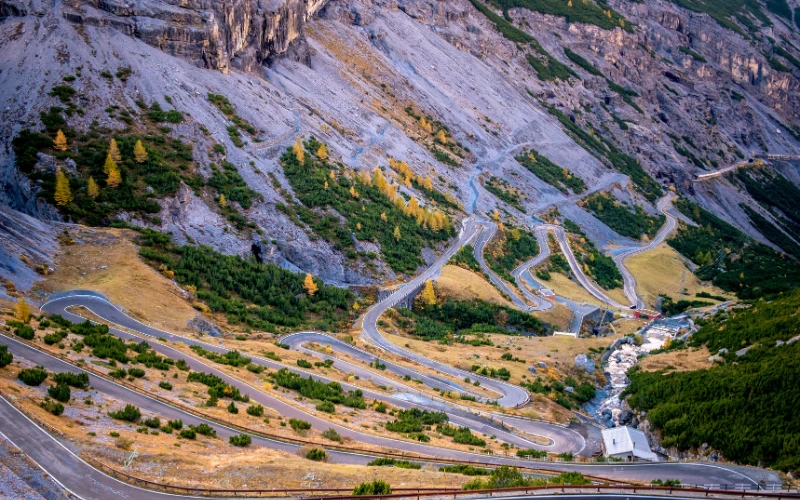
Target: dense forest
pixel 511 247
pixel 443 321
pixel 370 205
pixel 560 178
pixel 747 406
pixel 630 221
pixel 263 296
pixel 730 258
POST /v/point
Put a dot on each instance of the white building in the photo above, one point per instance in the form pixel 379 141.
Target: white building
pixel 628 444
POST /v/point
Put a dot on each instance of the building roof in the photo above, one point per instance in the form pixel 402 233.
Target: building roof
pixel 618 440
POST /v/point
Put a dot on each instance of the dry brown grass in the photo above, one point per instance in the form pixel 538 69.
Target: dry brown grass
pixel 182 462
pixel 659 271
pixel 695 358
pixel 126 279
pixel 461 284
pixel 558 316
pixel 557 352
pixel 565 287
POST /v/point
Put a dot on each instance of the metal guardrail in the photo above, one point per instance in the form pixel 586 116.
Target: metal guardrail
pixel 249 492
pixel 527 490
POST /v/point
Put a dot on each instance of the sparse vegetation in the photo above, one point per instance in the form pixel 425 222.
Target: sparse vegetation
pixel 630 221
pixel 549 172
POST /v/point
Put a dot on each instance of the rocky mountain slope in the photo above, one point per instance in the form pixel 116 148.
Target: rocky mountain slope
pixel 666 90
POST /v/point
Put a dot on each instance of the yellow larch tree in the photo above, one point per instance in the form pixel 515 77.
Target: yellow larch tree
pixel 358 226
pixel 139 152
pixel 114 176
pixel 309 285
pixel 384 218
pixel 60 142
pixel 322 152
pixel 109 164
pixel 427 183
pixel 223 202
pixel 397 233
pixel 353 192
pixel 379 181
pixel 113 150
pixel 413 207
pixel 63 194
pixel 325 186
pixel 428 294
pixel 332 175
pixel 92 189
pixel 297 149
pixel 441 137
pixel 22 311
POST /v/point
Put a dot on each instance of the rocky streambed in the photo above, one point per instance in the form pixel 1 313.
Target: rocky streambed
pixel 606 408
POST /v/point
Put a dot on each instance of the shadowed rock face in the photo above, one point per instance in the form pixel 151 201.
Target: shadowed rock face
pixel 215 34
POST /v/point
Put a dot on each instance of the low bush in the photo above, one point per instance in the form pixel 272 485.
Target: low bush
pixel 240 440
pixel 376 487
pixel 59 392
pixel 316 454
pixel 130 413
pixel 25 332
pixel 33 376
pixel 152 422
pixel 327 407
pixel 299 425
pixel 255 410
pixel 53 407
pixel 332 435
pixel 77 380
pixel 5 357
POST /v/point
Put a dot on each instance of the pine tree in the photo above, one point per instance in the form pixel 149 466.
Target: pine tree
pixel 379 181
pixel 222 201
pixel 322 152
pixel 428 294
pixel 22 311
pixel 113 150
pixel 413 207
pixel 139 152
pixel 309 285
pixel 297 149
pixel 63 194
pixel 92 188
pixel 109 164
pixel 60 143
pixel 114 176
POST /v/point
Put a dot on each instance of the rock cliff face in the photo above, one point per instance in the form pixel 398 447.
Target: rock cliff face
pixel 354 66
pixel 216 34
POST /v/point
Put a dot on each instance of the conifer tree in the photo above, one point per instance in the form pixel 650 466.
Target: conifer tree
pixel 22 311
pixel 113 150
pixel 109 164
pixel 114 176
pixel 297 149
pixel 139 152
pixel 322 152
pixel 413 207
pixel 309 285
pixel 397 233
pixel 222 201
pixel 92 189
pixel 428 294
pixel 63 194
pixel 60 143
